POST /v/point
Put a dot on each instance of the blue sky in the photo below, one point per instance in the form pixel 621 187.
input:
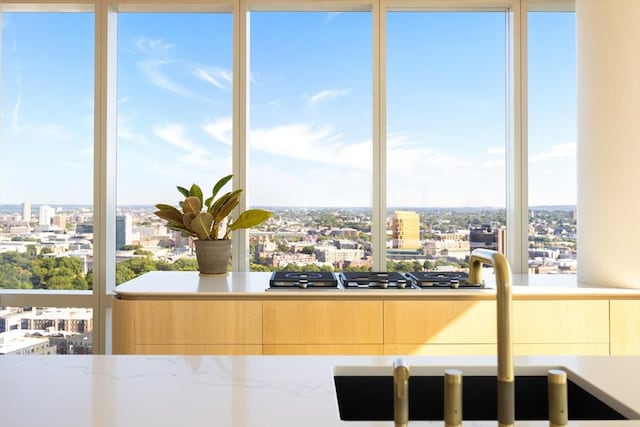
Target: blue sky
pixel 310 139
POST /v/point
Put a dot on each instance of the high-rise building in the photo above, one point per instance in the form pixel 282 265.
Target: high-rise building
pixel 405 228
pixel 45 215
pixel 26 211
pixel 124 230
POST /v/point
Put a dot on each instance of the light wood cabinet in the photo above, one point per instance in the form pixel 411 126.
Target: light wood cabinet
pixel 325 326
pixel 186 326
pixel 625 327
pixel 372 326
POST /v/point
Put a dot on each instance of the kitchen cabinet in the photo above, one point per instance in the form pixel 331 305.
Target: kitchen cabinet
pixel 625 327
pixel 182 313
pixel 322 327
pixel 187 327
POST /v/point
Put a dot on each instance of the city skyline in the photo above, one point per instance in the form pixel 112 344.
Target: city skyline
pixel 174 105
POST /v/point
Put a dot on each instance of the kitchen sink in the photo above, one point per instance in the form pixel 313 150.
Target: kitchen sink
pixel 366 394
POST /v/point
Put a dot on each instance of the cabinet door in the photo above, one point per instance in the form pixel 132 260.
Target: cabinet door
pixel 322 322
pixel 561 321
pixel 439 322
pixel 625 327
pixel 198 322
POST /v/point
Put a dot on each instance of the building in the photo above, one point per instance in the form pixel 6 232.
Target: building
pixel 488 237
pixel 405 230
pixel 26 211
pixel 18 342
pixel 124 230
pixel 45 216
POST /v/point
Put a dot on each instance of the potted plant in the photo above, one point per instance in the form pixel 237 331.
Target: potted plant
pixel 210 223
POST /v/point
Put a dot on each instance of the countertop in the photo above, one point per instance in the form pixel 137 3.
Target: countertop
pixel 241 391
pixel 189 284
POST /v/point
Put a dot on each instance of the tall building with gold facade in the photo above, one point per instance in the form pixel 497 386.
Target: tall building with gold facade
pixel 405 228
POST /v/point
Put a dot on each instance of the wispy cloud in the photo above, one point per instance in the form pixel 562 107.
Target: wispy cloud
pixel 302 141
pixel 558 151
pixel 327 95
pixel 194 155
pixel 152 70
pixel 220 129
pixel 215 76
pixel 153 47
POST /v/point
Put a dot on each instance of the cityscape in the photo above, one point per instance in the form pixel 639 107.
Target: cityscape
pixel 47 247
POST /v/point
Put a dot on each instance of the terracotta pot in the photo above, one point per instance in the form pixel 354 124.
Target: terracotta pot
pixel 213 256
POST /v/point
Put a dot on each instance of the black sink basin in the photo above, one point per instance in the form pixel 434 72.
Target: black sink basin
pixel 370 398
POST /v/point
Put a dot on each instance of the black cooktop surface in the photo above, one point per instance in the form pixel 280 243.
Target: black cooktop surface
pixel 303 280
pixel 374 280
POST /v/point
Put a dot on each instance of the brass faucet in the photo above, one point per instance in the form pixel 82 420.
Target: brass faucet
pixel 506 389
pixel 401 376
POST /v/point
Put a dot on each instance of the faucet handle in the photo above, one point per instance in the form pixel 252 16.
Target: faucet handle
pixel 453 398
pixel 557 391
pixel 401 376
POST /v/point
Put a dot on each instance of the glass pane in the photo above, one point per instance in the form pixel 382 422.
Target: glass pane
pixel 46 146
pixel 446 137
pixel 45 330
pixel 174 128
pixel 552 143
pixel 310 139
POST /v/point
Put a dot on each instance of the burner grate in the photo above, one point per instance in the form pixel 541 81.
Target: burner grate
pixel 374 280
pixel 442 279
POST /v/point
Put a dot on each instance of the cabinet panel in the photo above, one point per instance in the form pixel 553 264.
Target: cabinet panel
pixel 439 322
pixel 198 349
pixel 198 322
pixel 322 322
pixel 561 321
pixel 123 326
pixel 585 349
pixel 440 349
pixel 322 349
pixel 625 327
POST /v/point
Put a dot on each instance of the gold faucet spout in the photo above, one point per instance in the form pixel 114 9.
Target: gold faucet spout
pixel 506 390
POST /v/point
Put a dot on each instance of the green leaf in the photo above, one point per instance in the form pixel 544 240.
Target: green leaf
pixel 201 226
pixel 192 205
pixel 221 183
pixel 169 214
pixel 183 191
pixel 250 218
pixel 196 191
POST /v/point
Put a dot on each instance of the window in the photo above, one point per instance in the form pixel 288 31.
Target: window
pixel 552 142
pixel 446 137
pixel 174 128
pixel 310 138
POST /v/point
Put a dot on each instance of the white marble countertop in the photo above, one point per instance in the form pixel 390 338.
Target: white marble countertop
pixel 242 391
pixel 189 284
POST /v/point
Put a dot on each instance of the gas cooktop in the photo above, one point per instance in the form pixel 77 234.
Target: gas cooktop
pixel 374 280
pixel 438 279
pixel 302 280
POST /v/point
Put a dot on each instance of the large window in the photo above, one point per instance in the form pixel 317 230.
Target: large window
pixel 310 138
pixel 445 137
pixel 379 138
pixel 174 128
pixel 46 169
pixel 552 143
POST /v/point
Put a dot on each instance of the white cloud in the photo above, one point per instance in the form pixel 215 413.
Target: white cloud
pixel 217 77
pixel 174 135
pixel 498 151
pixel 557 151
pixel 152 70
pixel 220 129
pixel 327 95
pixel 153 46
pixel 301 141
